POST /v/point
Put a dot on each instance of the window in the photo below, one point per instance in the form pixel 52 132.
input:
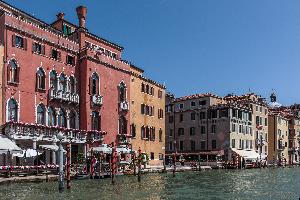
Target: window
pixel 171 133
pixel 41 114
pixel 171 119
pixel 170 146
pixel 181 145
pixel 202 115
pixel 160 113
pixel 151 155
pixel 213 128
pixel 62 83
pixel 72 85
pixel 181 106
pixel 152 133
pixel 122 92
pixel 181 117
pixel 142 108
pixel 160 94
pixel 266 122
pixel 51 117
pixel 72 119
pixel 70 60
pixel 147 89
pixel 13 72
pixel 203 145
pixel 202 103
pixel 180 131
pixel 192 130
pixel 233 127
pixel 193 116
pixel 233 143
pixel 147 132
pixel 38 48
pixel 160 135
pixel 193 145
pixel 143 134
pixel 12 110
pixel 20 42
pixel 61 120
pixel 53 80
pixel 234 113
pixel 56 55
pixel 40 79
pixel 94 84
pixel 202 129
pixel 67 29
pixel 213 144
pixel 143 87
pixel 133 130
pixel 223 113
pixel 122 126
pixel 193 103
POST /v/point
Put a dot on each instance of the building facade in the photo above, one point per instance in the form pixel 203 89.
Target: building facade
pixel 147 120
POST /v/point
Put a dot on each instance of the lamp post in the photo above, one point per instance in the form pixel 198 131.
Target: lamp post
pixel 60 136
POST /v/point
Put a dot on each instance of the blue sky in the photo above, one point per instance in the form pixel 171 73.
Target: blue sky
pixel 197 46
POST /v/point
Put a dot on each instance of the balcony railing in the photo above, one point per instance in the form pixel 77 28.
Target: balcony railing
pixel 124 106
pixel 25 131
pixel 96 100
pixel 66 97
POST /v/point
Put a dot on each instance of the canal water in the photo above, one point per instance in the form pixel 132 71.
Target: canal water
pixel 254 184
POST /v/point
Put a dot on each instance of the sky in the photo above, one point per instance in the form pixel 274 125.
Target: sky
pixel 198 46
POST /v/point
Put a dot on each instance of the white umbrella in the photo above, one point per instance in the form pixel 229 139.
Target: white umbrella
pixel 27 153
pixel 6 145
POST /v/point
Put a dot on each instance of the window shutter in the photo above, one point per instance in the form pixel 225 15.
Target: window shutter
pixel 14 40
pixel 18 74
pixel 67 59
pixel 25 43
pixel 90 85
pixel 36 81
pixel 33 47
pixel 8 73
pixel 43 50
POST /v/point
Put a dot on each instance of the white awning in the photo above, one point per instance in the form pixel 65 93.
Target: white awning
pixel 247 153
pixel 50 147
pixel 123 149
pixel 28 153
pixel 8 145
pixel 104 148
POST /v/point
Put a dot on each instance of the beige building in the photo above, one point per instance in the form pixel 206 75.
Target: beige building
pixel 147 110
pixel 278 137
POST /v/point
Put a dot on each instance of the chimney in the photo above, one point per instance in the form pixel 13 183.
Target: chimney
pixel 60 15
pixel 81 13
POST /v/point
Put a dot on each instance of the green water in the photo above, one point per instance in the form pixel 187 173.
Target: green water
pixel 279 183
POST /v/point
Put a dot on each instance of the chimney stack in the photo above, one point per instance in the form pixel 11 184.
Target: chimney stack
pixel 60 15
pixel 81 13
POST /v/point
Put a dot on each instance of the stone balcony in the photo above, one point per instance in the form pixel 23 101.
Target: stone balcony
pixel 124 106
pixel 25 131
pixel 96 100
pixel 64 97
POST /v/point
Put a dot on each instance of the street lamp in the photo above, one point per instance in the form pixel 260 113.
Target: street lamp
pixel 60 137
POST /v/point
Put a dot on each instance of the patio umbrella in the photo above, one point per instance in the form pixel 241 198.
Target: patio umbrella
pixel 6 145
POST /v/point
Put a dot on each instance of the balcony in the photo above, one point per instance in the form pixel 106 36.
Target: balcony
pixel 124 106
pixel 65 97
pixel 124 139
pixel 96 100
pixel 25 131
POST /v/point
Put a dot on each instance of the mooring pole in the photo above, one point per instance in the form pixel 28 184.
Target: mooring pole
pixel 199 161
pixel 113 165
pixel 139 165
pixel 68 166
pixel 174 164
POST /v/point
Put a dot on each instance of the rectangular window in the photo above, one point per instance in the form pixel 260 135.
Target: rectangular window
pixel 213 144
pixel 142 109
pixel 70 60
pixel 171 119
pixel 181 106
pixel 203 145
pixel 152 156
pixel 159 94
pixel 202 129
pixel 266 121
pixel 202 115
pixel 233 143
pixel 202 103
pixel 181 145
pixel 193 116
pixel 180 131
pixel 171 132
pixel 38 48
pixel 193 103
pixel 193 145
pixel 170 146
pixel 181 117
pixel 55 54
pixel 192 130
pixel 18 41
pixel 213 128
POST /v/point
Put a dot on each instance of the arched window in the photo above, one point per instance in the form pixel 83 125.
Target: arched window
pixel 12 110
pixel 61 120
pixel 13 72
pixel 72 85
pixel 62 83
pixel 51 117
pixel 53 80
pixel 40 79
pixel 94 84
pixel 41 114
pixel 95 120
pixel 72 118
pixel 122 126
pixel 122 90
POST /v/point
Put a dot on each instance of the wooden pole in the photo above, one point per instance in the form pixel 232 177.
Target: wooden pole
pixel 133 160
pixel 68 166
pixel 113 165
pixel 174 164
pixel 139 164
